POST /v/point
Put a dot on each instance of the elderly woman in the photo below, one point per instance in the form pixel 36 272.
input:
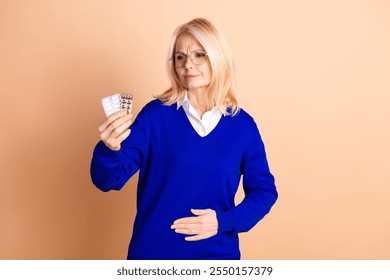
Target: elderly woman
pixel 191 146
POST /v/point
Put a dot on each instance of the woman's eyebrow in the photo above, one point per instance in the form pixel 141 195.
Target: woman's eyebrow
pixel 197 50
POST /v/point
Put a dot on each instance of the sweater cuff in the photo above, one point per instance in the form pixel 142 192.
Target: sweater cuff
pixel 225 220
pixel 101 150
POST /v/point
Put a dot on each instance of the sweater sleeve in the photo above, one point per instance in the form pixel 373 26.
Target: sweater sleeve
pixel 110 170
pixel 259 188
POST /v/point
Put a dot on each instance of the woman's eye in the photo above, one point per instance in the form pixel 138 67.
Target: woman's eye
pixel 200 54
pixel 180 57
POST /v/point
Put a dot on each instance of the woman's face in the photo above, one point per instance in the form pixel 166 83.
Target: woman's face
pixel 188 55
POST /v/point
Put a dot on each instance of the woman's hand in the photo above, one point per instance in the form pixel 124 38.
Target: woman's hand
pixel 202 226
pixel 115 129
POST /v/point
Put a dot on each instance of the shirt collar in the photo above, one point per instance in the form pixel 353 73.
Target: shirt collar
pixel 185 102
pixel 180 102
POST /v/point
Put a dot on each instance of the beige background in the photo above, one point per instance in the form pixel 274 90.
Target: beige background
pixel 314 74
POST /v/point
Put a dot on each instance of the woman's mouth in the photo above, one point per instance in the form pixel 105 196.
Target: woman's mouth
pixel 192 76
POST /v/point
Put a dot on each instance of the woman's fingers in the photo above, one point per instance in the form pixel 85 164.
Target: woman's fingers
pixel 186 221
pixel 202 226
pixel 199 212
pixel 196 237
pixel 110 119
pixel 120 126
pixel 115 143
pixel 115 129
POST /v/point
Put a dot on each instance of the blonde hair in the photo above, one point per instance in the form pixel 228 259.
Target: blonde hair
pixel 221 90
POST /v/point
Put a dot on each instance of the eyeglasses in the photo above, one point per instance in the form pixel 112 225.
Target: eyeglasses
pixel 197 58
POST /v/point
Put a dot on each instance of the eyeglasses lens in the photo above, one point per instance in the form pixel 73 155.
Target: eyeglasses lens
pixel 197 58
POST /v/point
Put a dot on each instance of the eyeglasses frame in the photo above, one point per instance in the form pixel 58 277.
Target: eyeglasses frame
pixel 189 56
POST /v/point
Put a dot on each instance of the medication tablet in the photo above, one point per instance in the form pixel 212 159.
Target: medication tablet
pixel 117 102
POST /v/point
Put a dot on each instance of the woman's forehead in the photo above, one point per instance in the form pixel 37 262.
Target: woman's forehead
pixel 187 42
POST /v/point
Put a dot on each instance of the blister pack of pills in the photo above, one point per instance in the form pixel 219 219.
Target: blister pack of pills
pixel 117 102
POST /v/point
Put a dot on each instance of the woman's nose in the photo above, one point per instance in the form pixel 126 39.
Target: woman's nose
pixel 189 64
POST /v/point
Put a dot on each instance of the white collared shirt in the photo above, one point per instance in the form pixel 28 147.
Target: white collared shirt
pixel 203 126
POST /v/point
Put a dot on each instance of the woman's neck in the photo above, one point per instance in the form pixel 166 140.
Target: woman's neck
pixel 198 100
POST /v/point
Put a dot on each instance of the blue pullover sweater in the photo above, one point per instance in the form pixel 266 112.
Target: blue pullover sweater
pixel 180 170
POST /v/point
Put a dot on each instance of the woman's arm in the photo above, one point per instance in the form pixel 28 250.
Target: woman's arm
pixel 115 160
pixel 259 187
